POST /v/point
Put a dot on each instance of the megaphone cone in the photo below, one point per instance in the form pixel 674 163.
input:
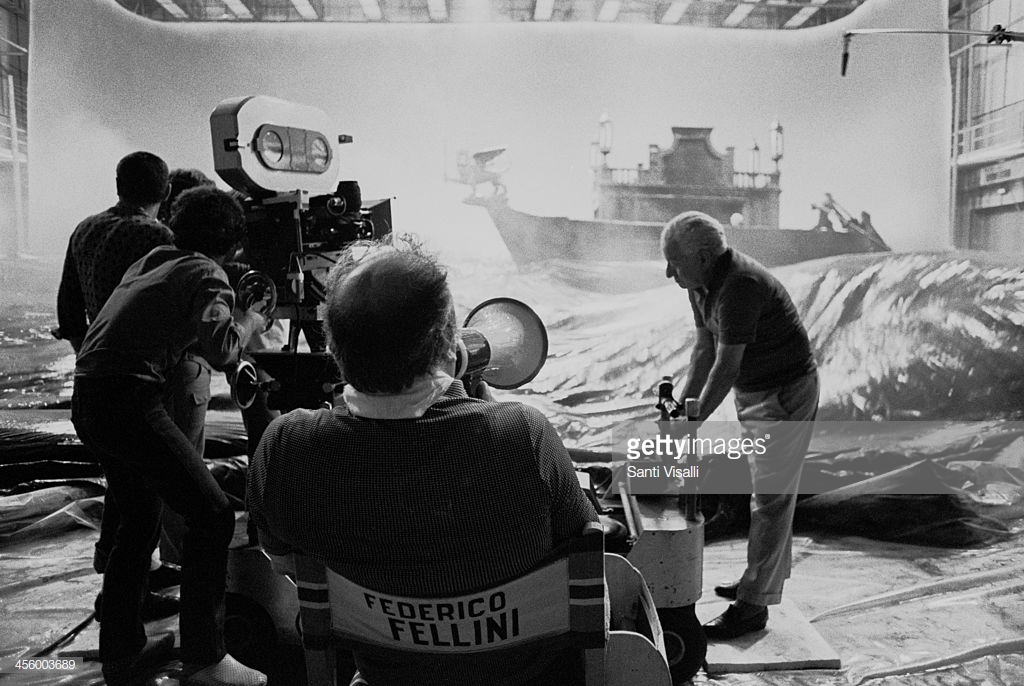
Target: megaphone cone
pixel 503 342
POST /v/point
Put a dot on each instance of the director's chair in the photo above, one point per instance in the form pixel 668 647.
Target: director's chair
pixel 583 598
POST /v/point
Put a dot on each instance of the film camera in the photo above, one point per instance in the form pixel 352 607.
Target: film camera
pixel 298 220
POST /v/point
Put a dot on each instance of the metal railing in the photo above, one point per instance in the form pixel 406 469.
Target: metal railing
pixel 755 179
pixel 13 129
pixel 8 140
pixel 640 176
pixel 629 175
pixel 992 130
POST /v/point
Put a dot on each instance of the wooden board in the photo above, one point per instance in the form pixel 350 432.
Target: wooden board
pixel 788 642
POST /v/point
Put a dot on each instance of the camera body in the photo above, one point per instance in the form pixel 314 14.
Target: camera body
pixel 295 238
pixel 299 218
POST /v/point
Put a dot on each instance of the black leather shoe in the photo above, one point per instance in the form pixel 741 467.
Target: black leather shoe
pixel 727 591
pixel 730 624
pixel 154 606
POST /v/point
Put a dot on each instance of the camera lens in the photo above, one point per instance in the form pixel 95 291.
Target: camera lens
pixel 271 147
pixel 319 154
pixel 336 206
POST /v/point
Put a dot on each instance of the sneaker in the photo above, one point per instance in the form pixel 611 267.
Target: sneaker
pixel 227 672
pixel 134 670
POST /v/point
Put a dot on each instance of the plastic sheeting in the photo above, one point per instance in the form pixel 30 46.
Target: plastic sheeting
pixel 49 482
pixel 970 476
pixel 931 616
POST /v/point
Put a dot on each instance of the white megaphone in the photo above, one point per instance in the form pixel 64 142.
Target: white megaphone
pixel 502 342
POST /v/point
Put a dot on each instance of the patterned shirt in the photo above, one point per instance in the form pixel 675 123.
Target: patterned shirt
pixel 99 252
pixel 467 496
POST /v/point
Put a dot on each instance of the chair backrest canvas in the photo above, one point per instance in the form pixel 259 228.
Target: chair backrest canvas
pixel 530 608
pixel 561 603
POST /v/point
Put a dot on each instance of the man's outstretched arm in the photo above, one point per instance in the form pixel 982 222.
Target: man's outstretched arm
pixel 721 378
pixel 702 359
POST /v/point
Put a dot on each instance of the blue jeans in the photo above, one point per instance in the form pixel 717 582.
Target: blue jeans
pixel 149 461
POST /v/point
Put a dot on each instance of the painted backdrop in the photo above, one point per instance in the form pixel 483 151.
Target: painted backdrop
pixel 104 82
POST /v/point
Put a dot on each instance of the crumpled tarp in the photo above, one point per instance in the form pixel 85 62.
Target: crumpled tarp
pixel 968 483
pixel 886 508
pixel 51 482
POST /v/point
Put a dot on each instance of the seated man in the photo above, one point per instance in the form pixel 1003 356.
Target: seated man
pixel 410 486
pixel 170 300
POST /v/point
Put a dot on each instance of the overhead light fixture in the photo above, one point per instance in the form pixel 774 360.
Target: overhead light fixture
pixel 438 10
pixel 805 13
pixel 371 8
pixel 305 10
pixel 675 11
pixel 738 14
pixel 173 9
pixel 609 10
pixel 237 8
pixel 543 9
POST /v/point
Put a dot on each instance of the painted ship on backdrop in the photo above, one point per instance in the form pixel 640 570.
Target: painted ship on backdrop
pixel 633 204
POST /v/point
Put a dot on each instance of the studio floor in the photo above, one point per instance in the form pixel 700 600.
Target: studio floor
pixel 926 616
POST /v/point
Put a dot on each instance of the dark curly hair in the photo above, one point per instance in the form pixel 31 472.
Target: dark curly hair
pixel 207 220
pixel 388 316
pixel 181 180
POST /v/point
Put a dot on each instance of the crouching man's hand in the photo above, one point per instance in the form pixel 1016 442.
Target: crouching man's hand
pixel 253 322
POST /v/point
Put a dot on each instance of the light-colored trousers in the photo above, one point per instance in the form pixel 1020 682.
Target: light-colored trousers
pixel 786 415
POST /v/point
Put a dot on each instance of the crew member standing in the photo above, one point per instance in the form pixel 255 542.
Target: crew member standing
pixel 104 245
pixel 100 250
pixel 749 340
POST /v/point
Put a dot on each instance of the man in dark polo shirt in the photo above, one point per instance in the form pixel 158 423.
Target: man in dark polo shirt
pixel 749 340
pixel 411 486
